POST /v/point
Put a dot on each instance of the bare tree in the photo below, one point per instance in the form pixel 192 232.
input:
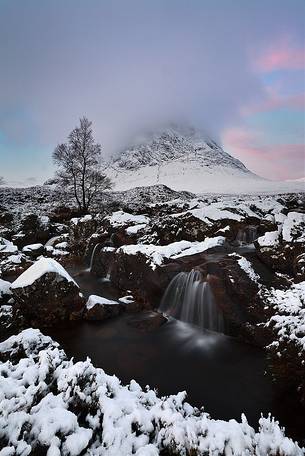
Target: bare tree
pixel 2 181
pixel 78 163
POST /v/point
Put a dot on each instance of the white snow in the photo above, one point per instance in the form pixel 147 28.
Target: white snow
pixel 134 229
pixel 246 266
pixel 7 246
pixel 111 412
pixel 38 269
pixel 128 299
pixel 289 318
pixel 94 300
pixel 156 254
pixel 293 222
pixel 271 238
pixel 121 218
pixel 224 230
pixel 77 220
pixel 185 162
pixel 5 288
pixel 31 248
pixel 61 245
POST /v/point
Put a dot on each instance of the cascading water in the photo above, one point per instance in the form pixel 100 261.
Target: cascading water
pixel 93 256
pixel 246 235
pixel 190 299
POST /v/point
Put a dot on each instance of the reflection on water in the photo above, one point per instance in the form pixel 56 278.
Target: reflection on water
pixel 219 373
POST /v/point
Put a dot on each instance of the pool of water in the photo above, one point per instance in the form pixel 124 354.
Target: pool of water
pixel 220 373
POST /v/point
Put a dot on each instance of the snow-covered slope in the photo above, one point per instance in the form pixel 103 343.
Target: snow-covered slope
pixel 186 161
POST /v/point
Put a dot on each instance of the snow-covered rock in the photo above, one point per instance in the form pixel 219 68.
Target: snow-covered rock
pixel 100 308
pixel 157 254
pixel 45 293
pixel 121 218
pixel 33 250
pixel 41 392
pixel 7 248
pixel 40 268
pixel 5 291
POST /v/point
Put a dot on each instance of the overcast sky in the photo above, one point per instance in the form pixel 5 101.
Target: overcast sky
pixel 233 68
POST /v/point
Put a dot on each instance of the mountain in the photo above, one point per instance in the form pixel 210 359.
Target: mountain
pixel 183 160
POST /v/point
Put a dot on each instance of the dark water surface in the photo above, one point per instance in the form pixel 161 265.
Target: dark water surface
pixel 218 372
pixel 225 376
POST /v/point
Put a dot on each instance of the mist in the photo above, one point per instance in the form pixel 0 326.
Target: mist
pixel 130 66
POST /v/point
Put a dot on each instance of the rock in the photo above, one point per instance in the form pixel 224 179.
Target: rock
pixel 34 229
pixel 80 231
pixel 280 249
pixel 102 259
pixel 33 250
pixel 148 321
pixel 14 265
pixel 133 272
pixel 6 217
pixel 45 294
pixel 171 229
pixel 99 308
pixel 237 293
pixel 7 248
pixel 130 303
pixel 5 292
pixel 299 267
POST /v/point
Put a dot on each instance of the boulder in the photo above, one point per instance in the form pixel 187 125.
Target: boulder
pixel 33 229
pixel 280 249
pixel 169 229
pixel 5 292
pixel 99 308
pixel 7 248
pixel 14 265
pixel 80 231
pixel 237 282
pixel 147 321
pixel 46 294
pixel 101 260
pixel 33 250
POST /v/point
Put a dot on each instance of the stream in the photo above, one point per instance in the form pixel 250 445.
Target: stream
pixel 218 372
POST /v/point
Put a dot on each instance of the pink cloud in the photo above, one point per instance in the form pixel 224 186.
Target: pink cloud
pixel 282 56
pixel 274 102
pixel 277 161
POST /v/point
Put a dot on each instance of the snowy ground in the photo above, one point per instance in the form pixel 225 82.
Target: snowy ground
pixel 68 408
pixel 51 404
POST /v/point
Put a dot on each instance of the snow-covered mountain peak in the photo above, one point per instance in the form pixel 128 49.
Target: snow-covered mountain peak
pixel 182 159
pixel 175 145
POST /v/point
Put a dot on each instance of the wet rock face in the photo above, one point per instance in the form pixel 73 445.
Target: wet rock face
pixel 48 300
pixel 80 231
pixel 239 299
pixel 102 259
pixel 131 272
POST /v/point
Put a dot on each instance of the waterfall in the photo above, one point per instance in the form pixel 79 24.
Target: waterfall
pixel 246 235
pixel 93 255
pixel 190 299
